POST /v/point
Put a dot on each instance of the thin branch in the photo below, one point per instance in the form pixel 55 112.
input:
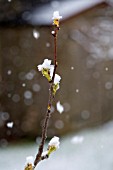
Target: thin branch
pixel 44 130
pixel 55 53
pixel 48 112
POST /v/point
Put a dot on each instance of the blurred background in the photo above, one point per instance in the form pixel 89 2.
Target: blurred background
pixel 85 57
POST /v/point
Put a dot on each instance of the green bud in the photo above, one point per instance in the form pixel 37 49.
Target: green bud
pixel 46 73
pixel 55 88
pixel 51 149
pixel 29 167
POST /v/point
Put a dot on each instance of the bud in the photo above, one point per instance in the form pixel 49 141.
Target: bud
pixel 53 144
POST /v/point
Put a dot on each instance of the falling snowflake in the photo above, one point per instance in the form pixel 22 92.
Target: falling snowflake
pixel 36 34
pixel 77 139
pixel 9 72
pixel 106 69
pixel 47 44
pixel 72 68
pixel 59 107
pixel 10 124
pixel 77 90
pixel 23 85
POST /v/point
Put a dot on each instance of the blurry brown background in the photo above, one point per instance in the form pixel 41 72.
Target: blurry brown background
pixel 85 57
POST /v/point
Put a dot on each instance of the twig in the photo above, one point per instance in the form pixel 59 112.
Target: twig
pixel 48 112
pixel 55 53
pixel 54 79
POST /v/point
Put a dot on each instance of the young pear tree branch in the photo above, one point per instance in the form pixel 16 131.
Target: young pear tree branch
pixel 49 71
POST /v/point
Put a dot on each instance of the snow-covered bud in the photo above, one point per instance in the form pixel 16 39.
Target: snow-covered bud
pixel 56 83
pixel 56 15
pixel 44 153
pixel 29 163
pixel 47 69
pixel 29 160
pixel 53 144
pixel 57 79
pixel 46 64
